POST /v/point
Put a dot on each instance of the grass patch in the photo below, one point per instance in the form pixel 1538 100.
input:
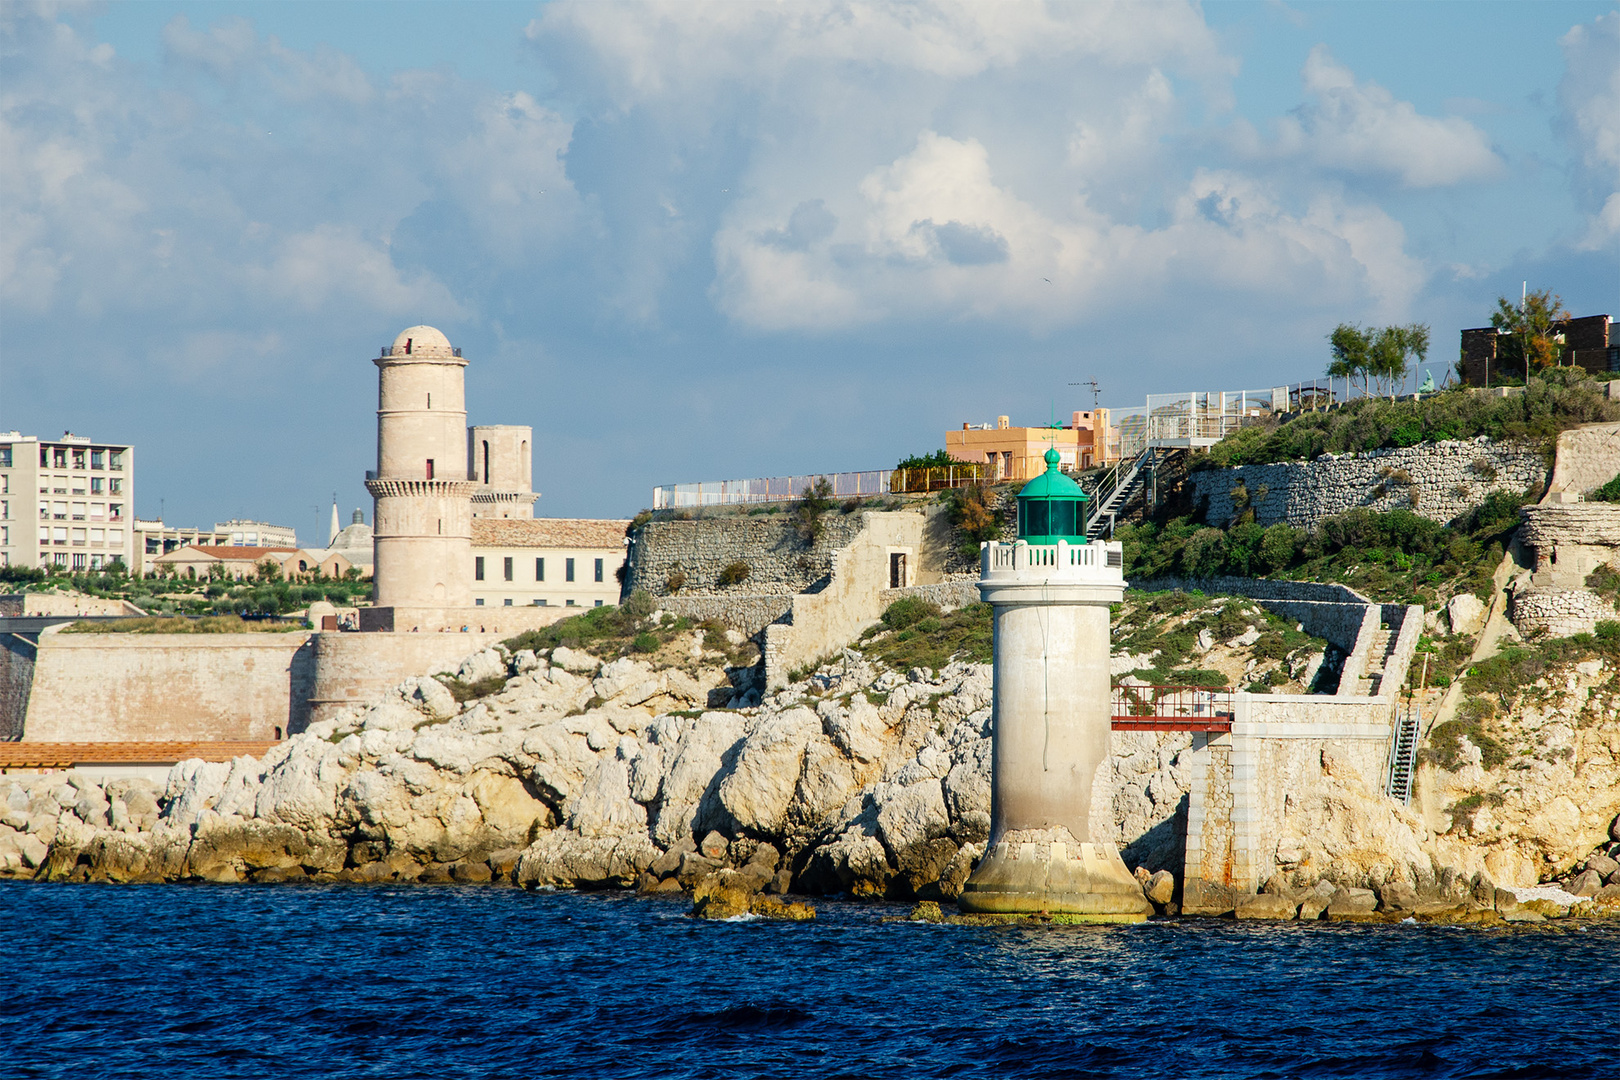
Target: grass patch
pixel 209 624
pixel 930 639
pixel 465 691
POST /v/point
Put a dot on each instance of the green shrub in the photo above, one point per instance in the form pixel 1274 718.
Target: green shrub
pixel 734 573
pixel 645 643
pixel 963 634
pixel 908 610
pixel 1609 492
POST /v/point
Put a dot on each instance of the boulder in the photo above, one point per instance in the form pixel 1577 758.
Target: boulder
pixel 486 664
pixel 1352 903
pixel 713 846
pixel 1602 865
pixel 1397 896
pixel 689 802
pixel 435 699
pixel 726 894
pixel 1265 906
pixel 1465 613
pixel 574 660
pixel 1586 883
pixel 563 857
pixel 603 806
pixel 1160 887
pixel 525 661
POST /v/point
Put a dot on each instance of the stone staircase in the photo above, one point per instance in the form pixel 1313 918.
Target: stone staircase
pixel 1383 643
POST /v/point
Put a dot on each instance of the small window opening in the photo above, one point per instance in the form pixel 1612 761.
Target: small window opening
pixel 478 568
pixel 539 569
pixel 407 346
pixel 568 569
pixel 598 569
pixel 506 568
pixel 430 468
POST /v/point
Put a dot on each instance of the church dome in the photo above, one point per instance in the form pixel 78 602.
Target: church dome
pixel 420 341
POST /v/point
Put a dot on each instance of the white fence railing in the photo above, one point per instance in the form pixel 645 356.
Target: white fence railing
pixel 768 489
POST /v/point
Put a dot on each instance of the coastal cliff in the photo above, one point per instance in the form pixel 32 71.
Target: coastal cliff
pixel 857 779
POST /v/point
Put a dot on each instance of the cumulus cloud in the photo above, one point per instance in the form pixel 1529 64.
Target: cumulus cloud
pixel 1589 100
pixel 1360 128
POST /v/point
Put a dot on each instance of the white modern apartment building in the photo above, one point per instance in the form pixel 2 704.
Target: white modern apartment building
pixel 66 502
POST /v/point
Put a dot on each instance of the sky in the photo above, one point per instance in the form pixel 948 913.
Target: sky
pixel 690 241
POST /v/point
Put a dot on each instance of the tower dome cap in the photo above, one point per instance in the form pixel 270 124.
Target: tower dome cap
pixel 420 340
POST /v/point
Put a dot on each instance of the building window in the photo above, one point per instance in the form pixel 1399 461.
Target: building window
pixel 569 603
pixel 430 468
pixel 98 459
pixel 80 560
pixel 540 602
pixel 78 459
pixel 507 602
pixel 58 458
pixel 539 569
pixel 478 569
pixel 599 603
pixel 568 571
pixel 5 509
pixel 5 457
pixel 96 561
pixel 115 459
pixel 115 511
pixel 478 602
pixel 98 537
pixel 117 485
pixel 115 537
pixel 78 511
pixel 506 567
pixel 598 569
pixel 61 558
pixel 96 485
pixel 98 511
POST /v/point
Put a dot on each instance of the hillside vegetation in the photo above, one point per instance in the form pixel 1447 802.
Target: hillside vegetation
pixel 1559 400
pixel 1392 557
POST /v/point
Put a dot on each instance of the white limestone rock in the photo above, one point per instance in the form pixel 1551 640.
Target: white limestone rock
pixel 573 660
pixel 486 664
pixel 565 858
pixel 1465 614
pixel 761 783
pixel 696 761
pixel 604 807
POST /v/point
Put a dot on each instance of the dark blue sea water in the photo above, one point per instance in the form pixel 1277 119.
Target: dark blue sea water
pixel 214 981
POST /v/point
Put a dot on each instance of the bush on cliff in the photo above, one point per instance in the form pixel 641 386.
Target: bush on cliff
pixel 1395 556
pixel 212 624
pixel 916 634
pixel 1554 402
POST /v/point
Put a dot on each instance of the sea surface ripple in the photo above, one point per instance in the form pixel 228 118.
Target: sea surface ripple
pixel 349 981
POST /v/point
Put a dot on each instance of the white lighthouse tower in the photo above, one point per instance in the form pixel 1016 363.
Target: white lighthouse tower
pixel 423 517
pixel 1050 592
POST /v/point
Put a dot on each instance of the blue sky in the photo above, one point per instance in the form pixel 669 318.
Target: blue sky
pixel 689 241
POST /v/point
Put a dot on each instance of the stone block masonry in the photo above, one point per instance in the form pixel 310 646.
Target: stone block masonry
pixel 1439 481
pixel 779 560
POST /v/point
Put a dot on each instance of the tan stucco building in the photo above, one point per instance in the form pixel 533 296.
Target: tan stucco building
pixel 65 502
pixel 1016 453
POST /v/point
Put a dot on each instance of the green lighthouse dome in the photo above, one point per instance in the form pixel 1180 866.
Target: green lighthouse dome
pixel 1052 507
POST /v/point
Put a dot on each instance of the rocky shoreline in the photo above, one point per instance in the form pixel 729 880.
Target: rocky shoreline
pixel 857 781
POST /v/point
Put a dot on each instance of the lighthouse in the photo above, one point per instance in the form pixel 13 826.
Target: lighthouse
pixel 1050 592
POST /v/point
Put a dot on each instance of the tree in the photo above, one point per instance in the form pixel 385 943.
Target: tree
pixel 1531 324
pixel 1381 355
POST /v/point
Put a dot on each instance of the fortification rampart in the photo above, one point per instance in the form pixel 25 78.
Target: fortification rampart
pixel 1440 481
pixel 145 687
pixel 352 669
pixel 779 559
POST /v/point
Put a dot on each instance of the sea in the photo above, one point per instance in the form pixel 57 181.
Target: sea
pixel 180 981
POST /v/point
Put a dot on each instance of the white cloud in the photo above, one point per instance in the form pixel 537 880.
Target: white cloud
pixel 1360 128
pixel 1589 96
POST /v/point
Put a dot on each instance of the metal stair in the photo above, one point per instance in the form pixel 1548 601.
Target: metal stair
pixel 1118 487
pixel 1403 753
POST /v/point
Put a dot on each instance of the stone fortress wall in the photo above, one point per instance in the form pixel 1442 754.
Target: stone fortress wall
pixel 1440 481
pixel 156 687
pixel 780 561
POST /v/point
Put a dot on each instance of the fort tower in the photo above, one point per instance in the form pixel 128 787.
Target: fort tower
pixel 423 518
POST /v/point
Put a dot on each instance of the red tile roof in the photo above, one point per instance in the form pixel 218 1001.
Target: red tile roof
pixel 228 552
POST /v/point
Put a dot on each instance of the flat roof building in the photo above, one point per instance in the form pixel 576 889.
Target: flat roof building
pixel 1017 453
pixel 66 503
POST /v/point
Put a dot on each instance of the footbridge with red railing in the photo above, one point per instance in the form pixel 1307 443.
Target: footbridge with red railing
pixel 1172 708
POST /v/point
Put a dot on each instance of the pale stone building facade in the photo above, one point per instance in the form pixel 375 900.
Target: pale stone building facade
pixel 66 503
pixel 547 562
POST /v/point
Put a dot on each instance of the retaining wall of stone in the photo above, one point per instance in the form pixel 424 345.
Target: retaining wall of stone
pixel 779 560
pixel 16 680
pixel 1440 481
pixel 1559 611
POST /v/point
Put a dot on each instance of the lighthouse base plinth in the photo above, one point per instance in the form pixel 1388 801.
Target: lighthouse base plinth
pixel 1035 872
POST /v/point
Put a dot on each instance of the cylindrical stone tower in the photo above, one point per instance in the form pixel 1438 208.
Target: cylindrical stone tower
pixel 1050 593
pixel 422 525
